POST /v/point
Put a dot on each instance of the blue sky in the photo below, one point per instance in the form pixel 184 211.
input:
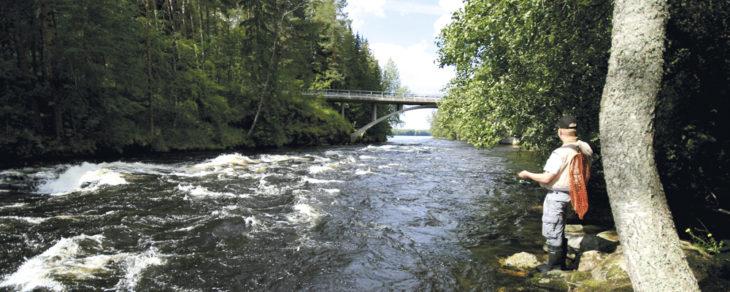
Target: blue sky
pixel 405 31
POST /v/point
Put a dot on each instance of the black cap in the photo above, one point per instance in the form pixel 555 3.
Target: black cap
pixel 567 122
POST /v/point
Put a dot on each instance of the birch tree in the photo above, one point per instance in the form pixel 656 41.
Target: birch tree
pixel 643 220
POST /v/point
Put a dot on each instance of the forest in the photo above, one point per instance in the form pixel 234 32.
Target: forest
pixel 521 65
pixel 100 77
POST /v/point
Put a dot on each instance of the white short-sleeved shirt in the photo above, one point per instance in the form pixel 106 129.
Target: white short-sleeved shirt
pixel 554 163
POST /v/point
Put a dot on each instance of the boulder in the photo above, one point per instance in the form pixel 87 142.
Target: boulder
pixel 609 235
pixel 592 242
pixel 579 229
pixel 574 229
pixel 590 260
pixel 521 260
pixel 574 241
pixel 613 267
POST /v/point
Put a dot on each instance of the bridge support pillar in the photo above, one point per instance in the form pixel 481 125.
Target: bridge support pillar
pixel 375 111
pixel 342 109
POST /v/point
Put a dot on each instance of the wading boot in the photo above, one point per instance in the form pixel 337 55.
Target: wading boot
pixel 564 255
pixel 556 260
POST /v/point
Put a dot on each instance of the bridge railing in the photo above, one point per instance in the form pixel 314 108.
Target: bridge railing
pixel 366 93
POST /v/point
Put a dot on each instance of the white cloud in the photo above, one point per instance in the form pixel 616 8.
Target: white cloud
pixel 447 7
pixel 358 10
pixel 419 72
pixel 416 64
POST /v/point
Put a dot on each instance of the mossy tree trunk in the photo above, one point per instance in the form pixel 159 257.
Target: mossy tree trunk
pixel 643 220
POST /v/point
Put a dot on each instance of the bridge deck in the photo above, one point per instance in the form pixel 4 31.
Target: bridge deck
pixel 375 97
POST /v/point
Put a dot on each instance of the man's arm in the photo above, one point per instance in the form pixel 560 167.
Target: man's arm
pixel 542 178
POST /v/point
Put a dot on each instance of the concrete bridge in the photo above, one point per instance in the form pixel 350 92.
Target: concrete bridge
pixel 377 97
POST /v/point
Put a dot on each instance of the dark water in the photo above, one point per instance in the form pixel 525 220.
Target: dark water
pixel 413 214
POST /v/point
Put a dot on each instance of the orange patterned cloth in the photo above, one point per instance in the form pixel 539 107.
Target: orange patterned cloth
pixel 580 172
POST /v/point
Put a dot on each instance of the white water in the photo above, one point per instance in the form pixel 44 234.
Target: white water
pixel 61 259
pixel 84 177
pixel 134 265
pixel 31 220
pixel 202 192
pixel 78 258
pixel 84 257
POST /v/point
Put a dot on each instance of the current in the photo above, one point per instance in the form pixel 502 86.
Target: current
pixel 411 214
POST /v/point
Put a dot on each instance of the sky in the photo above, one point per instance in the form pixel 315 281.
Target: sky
pixel 406 31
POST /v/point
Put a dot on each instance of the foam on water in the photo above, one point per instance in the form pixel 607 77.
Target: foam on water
pixel 251 221
pixel 319 181
pixel 31 220
pixel 225 161
pixel 304 213
pixel 84 177
pixel 315 169
pixel 363 171
pixel 389 165
pixel 333 153
pixel 378 148
pixel 202 192
pixel 279 158
pixel 60 259
pixel 134 265
pixel 331 191
pixel 78 258
pixel 14 206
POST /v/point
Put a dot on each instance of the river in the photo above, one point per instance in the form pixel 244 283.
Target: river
pixel 415 213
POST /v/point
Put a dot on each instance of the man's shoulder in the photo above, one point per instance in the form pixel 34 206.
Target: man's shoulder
pixel 563 151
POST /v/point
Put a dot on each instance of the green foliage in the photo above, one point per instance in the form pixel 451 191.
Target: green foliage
pixel 692 141
pixel 522 64
pixel 705 241
pixel 82 77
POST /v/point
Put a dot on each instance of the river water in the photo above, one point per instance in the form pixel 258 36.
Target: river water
pixel 411 214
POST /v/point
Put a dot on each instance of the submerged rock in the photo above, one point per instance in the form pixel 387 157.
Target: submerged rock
pixel 521 260
pixel 590 260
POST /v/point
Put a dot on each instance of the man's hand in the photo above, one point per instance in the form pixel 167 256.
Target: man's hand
pixel 543 178
pixel 524 174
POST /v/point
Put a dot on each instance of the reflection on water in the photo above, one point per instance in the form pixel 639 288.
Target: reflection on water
pixel 414 213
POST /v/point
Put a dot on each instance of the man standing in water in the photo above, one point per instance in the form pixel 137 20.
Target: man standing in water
pixel 555 178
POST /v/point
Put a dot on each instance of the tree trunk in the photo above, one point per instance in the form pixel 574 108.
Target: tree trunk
pixel 48 33
pixel 148 59
pixel 643 221
pixel 270 75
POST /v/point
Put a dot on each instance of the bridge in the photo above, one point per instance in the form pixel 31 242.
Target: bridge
pixel 377 97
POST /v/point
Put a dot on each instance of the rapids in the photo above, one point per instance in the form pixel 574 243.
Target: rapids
pixel 414 213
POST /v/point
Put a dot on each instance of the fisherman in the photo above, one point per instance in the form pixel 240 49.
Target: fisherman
pixel 556 178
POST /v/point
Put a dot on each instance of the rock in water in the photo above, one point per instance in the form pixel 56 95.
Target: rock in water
pixel 590 260
pixel 609 235
pixel 522 260
pixel 592 242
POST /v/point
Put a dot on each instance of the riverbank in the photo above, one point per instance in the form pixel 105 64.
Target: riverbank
pixel 148 153
pixel 596 262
